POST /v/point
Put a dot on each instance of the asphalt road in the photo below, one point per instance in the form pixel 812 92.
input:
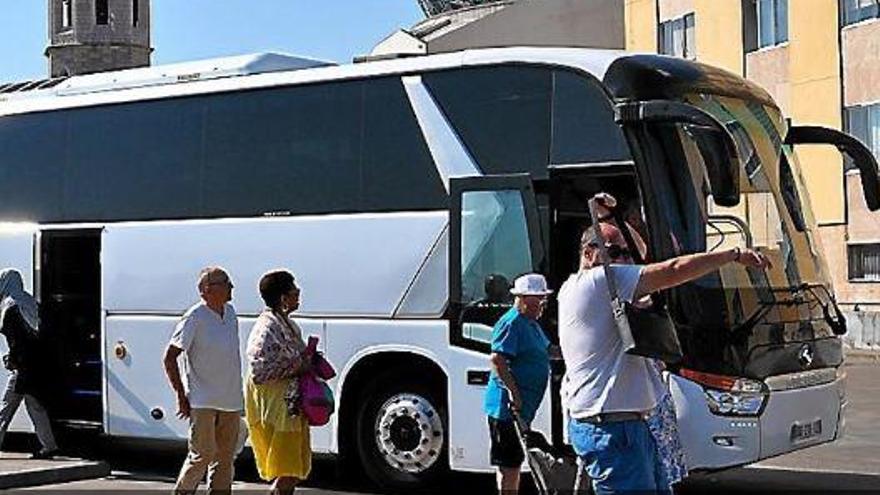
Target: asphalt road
pixel 849 464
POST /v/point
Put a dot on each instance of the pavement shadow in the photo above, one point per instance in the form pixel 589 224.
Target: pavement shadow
pixel 754 480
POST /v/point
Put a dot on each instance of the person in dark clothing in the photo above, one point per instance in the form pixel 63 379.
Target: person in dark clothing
pixel 19 323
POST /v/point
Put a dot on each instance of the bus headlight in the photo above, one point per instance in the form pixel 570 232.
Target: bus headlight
pixel 729 395
pixel 733 403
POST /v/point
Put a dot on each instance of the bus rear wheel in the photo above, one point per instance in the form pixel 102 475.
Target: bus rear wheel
pixel 401 432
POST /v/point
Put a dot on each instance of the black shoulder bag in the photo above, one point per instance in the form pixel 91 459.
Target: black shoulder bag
pixel 649 331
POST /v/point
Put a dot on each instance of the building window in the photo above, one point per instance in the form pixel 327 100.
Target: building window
pixel 135 13
pixel 853 11
pixel 677 37
pixel 102 12
pixel 864 262
pixel 66 14
pixel 765 23
pixel 863 122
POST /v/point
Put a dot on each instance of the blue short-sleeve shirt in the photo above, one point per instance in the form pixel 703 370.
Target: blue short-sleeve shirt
pixel 524 344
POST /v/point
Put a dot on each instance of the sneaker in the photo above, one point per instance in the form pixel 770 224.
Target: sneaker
pixel 45 454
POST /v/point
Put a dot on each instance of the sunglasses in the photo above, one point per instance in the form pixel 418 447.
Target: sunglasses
pixel 614 251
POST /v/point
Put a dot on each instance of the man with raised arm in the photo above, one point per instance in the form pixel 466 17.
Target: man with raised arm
pixel 207 336
pixel 606 391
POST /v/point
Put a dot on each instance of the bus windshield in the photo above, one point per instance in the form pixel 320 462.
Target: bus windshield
pixel 738 306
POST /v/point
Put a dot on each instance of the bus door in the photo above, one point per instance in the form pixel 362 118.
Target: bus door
pixel 570 188
pixel 69 292
pixel 494 237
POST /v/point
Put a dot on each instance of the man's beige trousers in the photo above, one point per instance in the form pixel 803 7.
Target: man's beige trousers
pixel 212 445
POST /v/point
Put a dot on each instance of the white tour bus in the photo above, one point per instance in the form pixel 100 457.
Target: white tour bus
pixel 403 194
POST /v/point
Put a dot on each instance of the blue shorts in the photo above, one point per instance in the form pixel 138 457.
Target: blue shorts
pixel 618 457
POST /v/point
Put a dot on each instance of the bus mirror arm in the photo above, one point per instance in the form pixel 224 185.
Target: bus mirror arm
pixel 723 177
pixel 861 156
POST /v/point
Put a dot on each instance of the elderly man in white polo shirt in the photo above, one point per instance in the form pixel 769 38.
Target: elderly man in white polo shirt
pixel 606 391
pixel 207 336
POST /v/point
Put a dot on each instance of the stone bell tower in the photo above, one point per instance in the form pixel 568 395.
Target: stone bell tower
pixel 88 36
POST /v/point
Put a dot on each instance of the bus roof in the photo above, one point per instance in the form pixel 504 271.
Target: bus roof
pixel 268 70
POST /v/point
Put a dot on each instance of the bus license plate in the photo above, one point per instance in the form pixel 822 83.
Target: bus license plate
pixel 806 430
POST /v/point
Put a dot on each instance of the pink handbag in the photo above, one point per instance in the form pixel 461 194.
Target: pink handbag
pixel 316 397
pixel 317 403
pixel 320 366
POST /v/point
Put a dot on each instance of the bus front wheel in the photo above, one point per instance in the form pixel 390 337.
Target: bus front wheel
pixel 401 430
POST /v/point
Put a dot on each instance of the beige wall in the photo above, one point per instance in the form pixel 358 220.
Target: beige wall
pixel 770 69
pixel 719 33
pixel 861 63
pixel 593 24
pixel 863 225
pixel 671 9
pixel 641 25
pixel 862 228
pixel 815 99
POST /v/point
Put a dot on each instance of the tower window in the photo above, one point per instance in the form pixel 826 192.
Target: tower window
pixel 102 12
pixel 135 13
pixel 66 14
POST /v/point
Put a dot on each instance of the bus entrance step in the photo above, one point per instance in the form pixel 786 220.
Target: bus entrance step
pixel 17 470
pixel 81 424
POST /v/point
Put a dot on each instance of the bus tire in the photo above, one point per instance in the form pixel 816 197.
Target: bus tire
pixel 402 432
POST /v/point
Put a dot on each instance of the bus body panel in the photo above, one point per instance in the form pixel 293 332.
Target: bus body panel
pixel 347 265
pixel 801 409
pixel 699 429
pixel 136 384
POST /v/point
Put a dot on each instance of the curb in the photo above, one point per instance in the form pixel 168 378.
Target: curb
pixel 53 475
pixel 861 356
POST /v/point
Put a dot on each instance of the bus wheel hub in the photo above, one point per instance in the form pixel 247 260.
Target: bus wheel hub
pixel 409 433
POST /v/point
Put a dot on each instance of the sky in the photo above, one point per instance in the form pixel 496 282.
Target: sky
pixel 184 30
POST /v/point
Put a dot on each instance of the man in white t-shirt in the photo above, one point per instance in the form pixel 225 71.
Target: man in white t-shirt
pixel 207 336
pixel 606 391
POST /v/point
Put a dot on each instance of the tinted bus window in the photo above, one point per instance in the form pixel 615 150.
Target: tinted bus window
pixel 329 148
pixel 133 161
pixel 31 167
pixel 292 149
pixel 583 123
pixel 398 171
pixel 501 113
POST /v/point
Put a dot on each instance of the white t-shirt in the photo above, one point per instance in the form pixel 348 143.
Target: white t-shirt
pixel 600 377
pixel 212 358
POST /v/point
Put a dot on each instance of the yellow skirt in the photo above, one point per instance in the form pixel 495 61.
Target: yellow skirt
pixel 281 444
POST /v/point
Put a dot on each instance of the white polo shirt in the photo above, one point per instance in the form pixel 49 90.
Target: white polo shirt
pixel 600 377
pixel 212 359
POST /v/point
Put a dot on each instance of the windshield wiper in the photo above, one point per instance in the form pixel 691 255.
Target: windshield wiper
pixel 837 321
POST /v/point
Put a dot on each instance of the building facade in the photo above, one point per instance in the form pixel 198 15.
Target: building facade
pixel 820 59
pixel 87 36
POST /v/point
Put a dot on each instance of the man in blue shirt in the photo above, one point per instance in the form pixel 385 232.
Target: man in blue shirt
pixel 520 370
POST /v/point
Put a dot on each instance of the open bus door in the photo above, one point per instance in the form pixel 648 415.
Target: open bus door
pixel 494 237
pixel 70 310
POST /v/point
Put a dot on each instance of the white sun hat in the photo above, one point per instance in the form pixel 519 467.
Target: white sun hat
pixel 531 284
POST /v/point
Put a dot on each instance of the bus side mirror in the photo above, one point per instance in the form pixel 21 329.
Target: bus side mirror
pixel 716 143
pixel 861 156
